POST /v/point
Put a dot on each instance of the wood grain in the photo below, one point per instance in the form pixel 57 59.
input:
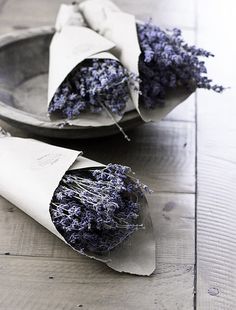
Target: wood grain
pixel 162 155
pixel 216 234
pixel 44 283
pixel 57 277
pixel 173 221
pixel 216 213
pixel 174 226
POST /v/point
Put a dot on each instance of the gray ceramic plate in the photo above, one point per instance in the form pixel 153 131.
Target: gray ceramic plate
pixel 23 88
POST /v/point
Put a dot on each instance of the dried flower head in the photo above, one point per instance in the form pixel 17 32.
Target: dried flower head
pixel 168 62
pixel 95 210
pixel 94 85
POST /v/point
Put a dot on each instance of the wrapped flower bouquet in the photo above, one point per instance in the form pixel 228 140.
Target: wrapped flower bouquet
pixel 88 86
pixel 100 211
pixel 169 69
pixel 104 63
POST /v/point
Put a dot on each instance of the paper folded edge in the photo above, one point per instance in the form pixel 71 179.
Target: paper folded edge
pixel 142 247
pixel 173 99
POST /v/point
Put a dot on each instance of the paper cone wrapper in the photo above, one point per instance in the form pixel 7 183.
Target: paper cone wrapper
pixel 71 45
pixel 108 20
pixel 30 172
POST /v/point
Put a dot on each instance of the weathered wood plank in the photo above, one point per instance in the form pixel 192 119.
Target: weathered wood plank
pixel 173 221
pixel 27 280
pixel 216 233
pixel 162 155
pixel 42 284
pixel 216 213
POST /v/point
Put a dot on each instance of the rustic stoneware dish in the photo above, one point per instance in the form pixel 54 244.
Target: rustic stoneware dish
pixel 23 88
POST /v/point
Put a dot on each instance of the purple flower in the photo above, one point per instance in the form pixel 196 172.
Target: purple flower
pixel 97 209
pixel 94 85
pixel 168 62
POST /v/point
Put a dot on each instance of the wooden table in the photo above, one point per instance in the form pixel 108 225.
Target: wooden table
pixel 188 159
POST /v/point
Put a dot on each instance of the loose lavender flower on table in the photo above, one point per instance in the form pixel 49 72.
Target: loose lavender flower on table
pixel 93 86
pixel 167 62
pixel 96 210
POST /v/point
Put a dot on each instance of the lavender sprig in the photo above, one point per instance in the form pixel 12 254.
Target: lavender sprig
pixel 167 62
pixel 95 210
pixel 92 86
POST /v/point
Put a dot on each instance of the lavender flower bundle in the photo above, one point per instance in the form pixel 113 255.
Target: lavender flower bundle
pixel 88 86
pixel 168 68
pixel 167 62
pixel 97 209
pixel 100 211
pixel 93 86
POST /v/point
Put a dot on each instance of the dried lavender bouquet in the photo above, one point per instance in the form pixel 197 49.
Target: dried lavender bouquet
pixel 88 86
pixel 95 85
pixel 97 209
pixel 100 211
pixel 169 69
